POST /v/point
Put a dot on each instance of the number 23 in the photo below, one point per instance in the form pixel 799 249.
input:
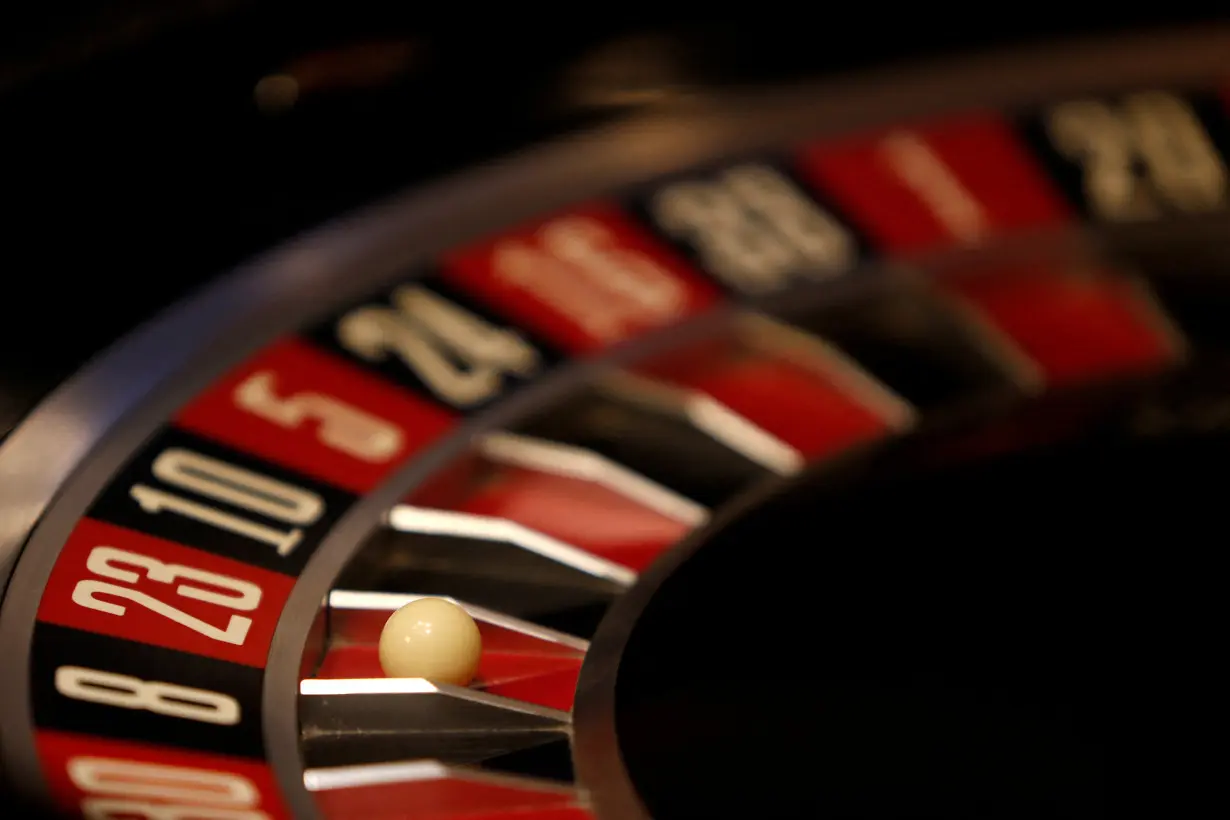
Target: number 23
pixel 228 592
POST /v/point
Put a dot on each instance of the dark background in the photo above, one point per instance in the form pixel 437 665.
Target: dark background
pixel 139 162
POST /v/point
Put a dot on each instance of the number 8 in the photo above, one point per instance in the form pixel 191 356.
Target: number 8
pixel 166 699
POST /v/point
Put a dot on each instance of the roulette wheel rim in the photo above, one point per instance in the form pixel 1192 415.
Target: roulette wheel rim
pixel 100 417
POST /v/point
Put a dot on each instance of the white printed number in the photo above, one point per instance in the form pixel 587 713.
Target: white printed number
pixel 576 265
pixel 1147 154
pixel 755 229
pixel 210 587
pixel 127 692
pixel 460 358
pixel 125 789
pixel 923 171
pixel 219 481
pixel 339 426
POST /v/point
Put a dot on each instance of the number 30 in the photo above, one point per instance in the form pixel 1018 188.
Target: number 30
pixel 125 788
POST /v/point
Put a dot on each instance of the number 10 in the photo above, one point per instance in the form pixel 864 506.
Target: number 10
pixel 233 485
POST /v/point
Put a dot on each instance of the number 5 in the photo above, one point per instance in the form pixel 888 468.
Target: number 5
pixel 341 426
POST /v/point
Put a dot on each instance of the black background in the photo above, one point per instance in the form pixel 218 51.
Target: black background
pixel 138 164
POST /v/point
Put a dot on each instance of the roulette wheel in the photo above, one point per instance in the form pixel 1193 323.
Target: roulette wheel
pixel 730 442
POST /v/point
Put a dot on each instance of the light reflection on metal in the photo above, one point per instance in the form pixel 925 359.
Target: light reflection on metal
pixel 341 777
pixel 357 66
pixel 631 72
pixel 420 771
pixel 276 93
pixel 367 686
pixel 405 518
pixel 576 462
pixel 713 419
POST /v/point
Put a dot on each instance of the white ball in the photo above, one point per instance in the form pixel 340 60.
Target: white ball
pixel 431 638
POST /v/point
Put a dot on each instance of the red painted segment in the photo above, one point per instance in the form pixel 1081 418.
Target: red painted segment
pixel 92 777
pixel 797 394
pixel 925 186
pixel 585 279
pixel 1073 325
pixel 113 581
pixel 309 411
pixel 580 513
pixel 452 796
